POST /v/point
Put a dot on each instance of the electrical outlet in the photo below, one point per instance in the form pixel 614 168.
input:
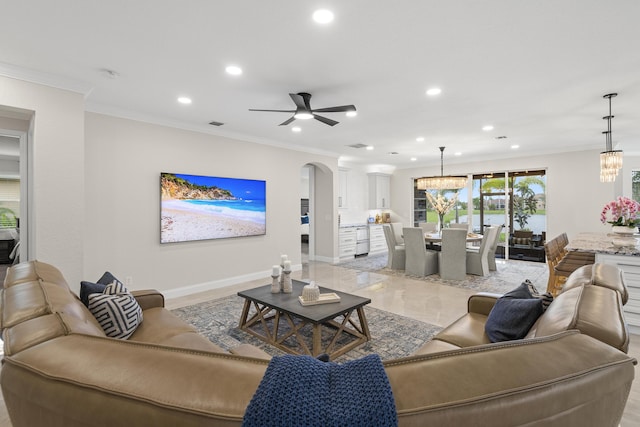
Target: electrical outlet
pixel 128 281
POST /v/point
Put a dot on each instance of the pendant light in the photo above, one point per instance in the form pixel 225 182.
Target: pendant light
pixel 610 159
pixel 441 182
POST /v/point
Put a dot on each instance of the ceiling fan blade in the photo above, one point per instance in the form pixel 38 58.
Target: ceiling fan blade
pixel 275 111
pixel 325 120
pixel 286 122
pixel 339 109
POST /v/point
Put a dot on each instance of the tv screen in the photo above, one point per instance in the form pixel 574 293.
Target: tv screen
pixel 195 207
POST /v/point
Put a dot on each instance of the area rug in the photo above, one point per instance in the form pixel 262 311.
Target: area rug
pixel 509 274
pixel 392 335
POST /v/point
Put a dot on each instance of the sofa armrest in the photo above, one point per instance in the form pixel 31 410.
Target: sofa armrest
pixel 148 298
pixel 482 302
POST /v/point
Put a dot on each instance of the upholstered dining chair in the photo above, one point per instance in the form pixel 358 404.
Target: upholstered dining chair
pixel 419 260
pixel 492 249
pixel 463 225
pixel 453 255
pixel 478 260
pixel 396 227
pixel 428 227
pixel 396 256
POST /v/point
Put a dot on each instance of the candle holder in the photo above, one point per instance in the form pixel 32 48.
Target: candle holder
pixel 282 276
pixel 287 286
pixel 275 285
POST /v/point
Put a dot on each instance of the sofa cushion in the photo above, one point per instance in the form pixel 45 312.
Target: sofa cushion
pixel 116 310
pixel 162 327
pixel 467 331
pixel 511 318
pixel 582 308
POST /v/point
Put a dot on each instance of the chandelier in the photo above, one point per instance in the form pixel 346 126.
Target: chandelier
pixel 610 159
pixel 441 182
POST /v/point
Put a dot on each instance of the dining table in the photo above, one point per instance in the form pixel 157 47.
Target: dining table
pixel 437 237
pixel 434 240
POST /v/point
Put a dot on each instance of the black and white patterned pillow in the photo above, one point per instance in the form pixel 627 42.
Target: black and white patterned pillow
pixel 116 310
pixel 546 298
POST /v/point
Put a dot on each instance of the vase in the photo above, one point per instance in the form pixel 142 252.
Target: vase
pixel 623 236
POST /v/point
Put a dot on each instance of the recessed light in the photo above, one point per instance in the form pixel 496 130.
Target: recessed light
pixel 369 147
pixel 184 100
pixel 413 159
pixel 420 138
pixel 434 91
pixel 234 70
pixel 457 153
pixel 352 113
pixel 323 16
pixel 296 129
pixel 487 128
pixel 514 147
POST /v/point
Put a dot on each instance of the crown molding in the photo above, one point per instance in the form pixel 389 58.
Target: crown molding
pixel 206 129
pixel 46 79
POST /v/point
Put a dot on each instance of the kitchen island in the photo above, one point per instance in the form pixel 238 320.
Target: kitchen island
pixel 625 258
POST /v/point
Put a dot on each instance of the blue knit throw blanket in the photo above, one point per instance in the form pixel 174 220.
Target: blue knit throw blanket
pixel 303 391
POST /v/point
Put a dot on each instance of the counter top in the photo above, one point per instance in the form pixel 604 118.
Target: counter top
pixel 352 225
pixel 601 243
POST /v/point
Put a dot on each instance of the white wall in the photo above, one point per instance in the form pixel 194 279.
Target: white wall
pixel 124 159
pixel 575 195
pixel 57 182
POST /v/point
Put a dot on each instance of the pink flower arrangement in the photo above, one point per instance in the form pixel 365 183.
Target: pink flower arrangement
pixel 623 211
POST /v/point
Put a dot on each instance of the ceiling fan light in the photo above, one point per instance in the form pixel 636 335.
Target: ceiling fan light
pixel 352 113
pixel 303 115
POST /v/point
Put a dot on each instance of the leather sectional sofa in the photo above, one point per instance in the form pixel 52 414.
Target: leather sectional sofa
pixel 60 369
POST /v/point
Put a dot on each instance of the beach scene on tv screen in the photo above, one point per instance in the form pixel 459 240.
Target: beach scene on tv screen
pixel 195 207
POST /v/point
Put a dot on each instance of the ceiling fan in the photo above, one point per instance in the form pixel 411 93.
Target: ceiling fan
pixel 304 111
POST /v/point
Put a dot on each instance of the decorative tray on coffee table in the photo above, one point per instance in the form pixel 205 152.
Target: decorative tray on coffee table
pixel 324 299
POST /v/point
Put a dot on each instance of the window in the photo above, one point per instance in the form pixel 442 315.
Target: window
pixel 9 202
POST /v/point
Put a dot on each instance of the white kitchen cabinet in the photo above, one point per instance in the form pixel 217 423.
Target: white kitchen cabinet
pixel 347 242
pixel 379 191
pixel 343 188
pixel 377 242
pixel 630 266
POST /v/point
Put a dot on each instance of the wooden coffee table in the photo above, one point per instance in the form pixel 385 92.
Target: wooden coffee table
pixel 280 320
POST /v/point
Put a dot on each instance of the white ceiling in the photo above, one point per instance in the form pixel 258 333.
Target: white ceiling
pixel 535 70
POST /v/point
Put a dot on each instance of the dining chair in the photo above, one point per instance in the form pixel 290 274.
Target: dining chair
pixel 452 256
pixel 493 248
pixel 428 227
pixel 396 227
pixel 463 225
pixel 396 255
pixel 419 261
pixel 478 260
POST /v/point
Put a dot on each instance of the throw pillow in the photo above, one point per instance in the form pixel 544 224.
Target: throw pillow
pixel 511 318
pixel 546 298
pixel 523 291
pixel 108 278
pixel 116 310
pixel 88 288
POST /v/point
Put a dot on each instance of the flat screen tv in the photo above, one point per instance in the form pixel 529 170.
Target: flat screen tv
pixel 195 207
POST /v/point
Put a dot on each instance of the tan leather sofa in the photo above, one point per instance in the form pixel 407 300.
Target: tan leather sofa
pixel 60 370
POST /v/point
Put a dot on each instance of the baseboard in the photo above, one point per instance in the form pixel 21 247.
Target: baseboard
pixel 222 283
